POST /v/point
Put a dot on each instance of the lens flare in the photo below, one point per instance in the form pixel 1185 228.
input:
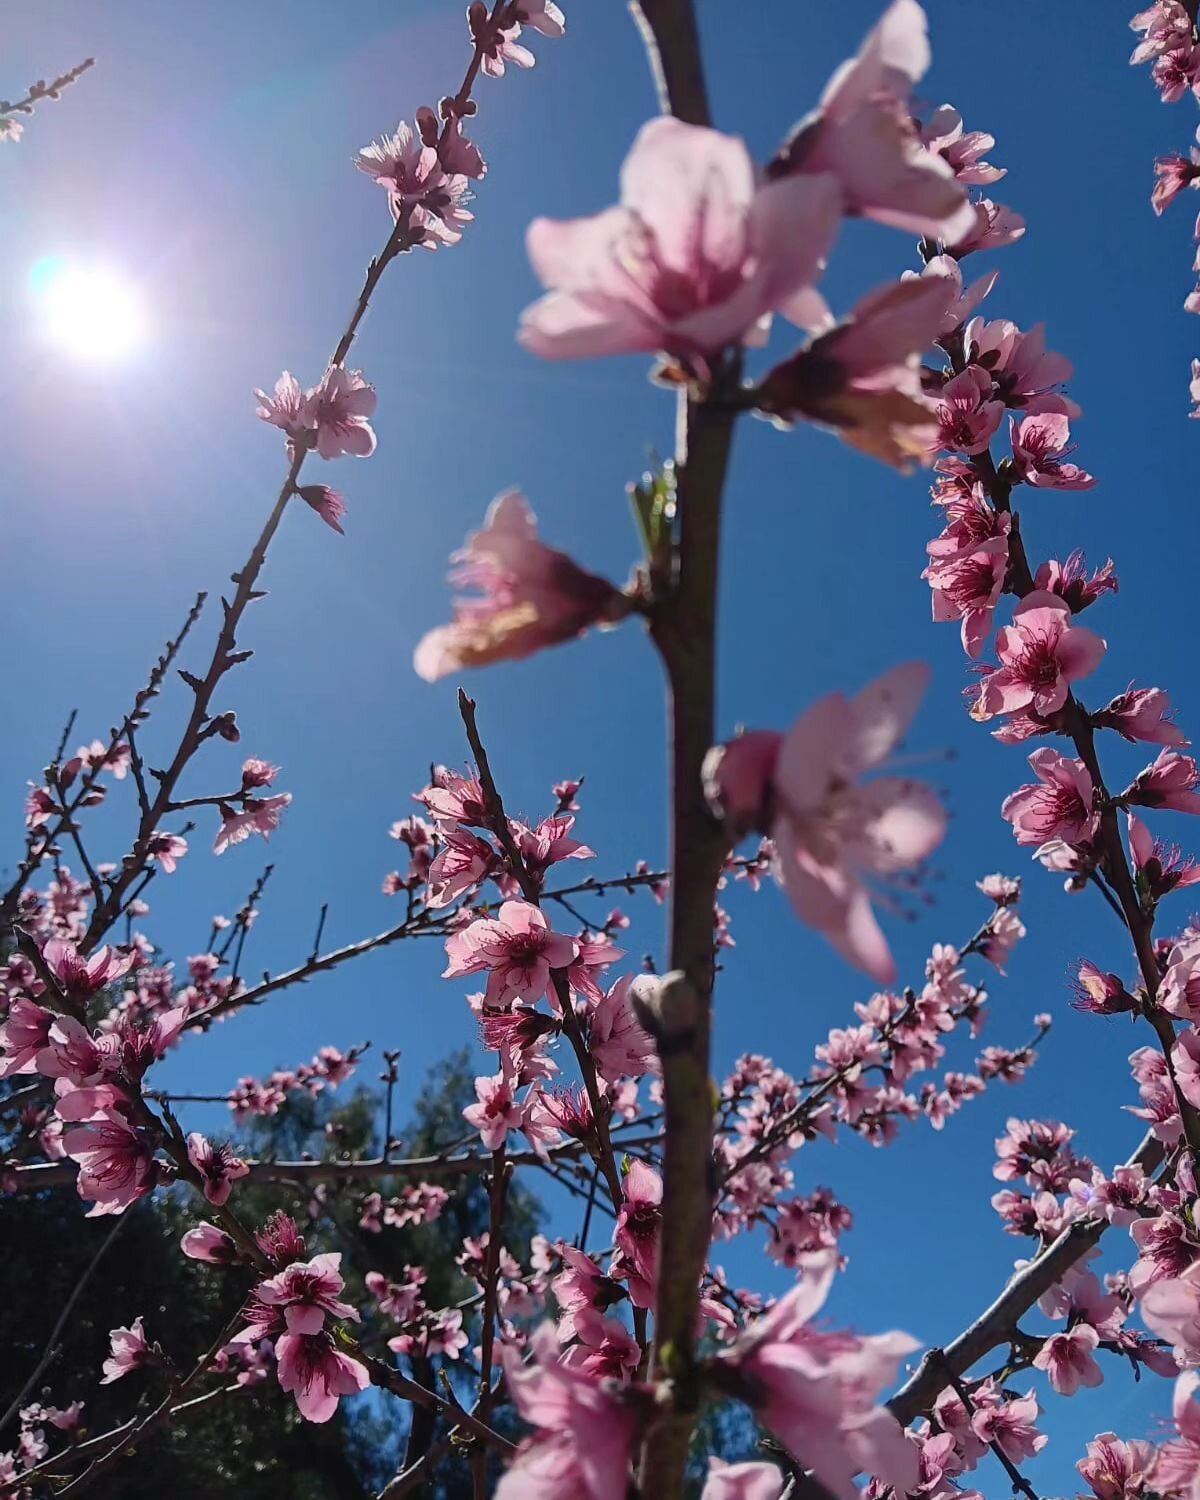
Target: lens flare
pixel 91 312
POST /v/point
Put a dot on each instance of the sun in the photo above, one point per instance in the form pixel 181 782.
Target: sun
pixel 91 312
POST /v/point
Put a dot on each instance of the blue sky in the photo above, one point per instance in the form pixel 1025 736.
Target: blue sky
pixel 210 160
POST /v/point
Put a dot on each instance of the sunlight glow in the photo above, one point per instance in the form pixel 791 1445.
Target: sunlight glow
pixel 90 311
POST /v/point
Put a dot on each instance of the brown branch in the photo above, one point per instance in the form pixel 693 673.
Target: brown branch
pixel 35 1177
pixel 672 42
pixel 997 1323
pixel 1020 1484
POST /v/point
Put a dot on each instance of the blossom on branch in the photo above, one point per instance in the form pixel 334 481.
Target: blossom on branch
pixel 693 259
pixel 531 596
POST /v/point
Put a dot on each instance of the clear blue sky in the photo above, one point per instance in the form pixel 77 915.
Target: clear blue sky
pixel 209 156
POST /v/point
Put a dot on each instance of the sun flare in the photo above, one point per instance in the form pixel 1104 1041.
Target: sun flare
pixel 91 312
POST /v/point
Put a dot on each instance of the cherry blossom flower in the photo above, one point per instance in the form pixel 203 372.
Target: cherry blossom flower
pixel 207 1242
pixel 116 1166
pixel 543 16
pixel 583 1437
pixel 1116 1470
pixel 327 503
pixel 517 949
pixel 832 830
pixel 746 1481
pixel 694 257
pixel 1178 1465
pixel 129 1351
pixel 818 1391
pixel 603 1346
pixel 257 815
pixel 1041 654
pixel 531 596
pixel 1175 174
pixel 167 849
pixel 862 376
pixel 1170 1308
pixel 1010 1424
pixel 338 410
pixel 1068 1359
pixel 637 1233
pixel 317 1374
pixel 217 1165
pixel 1169 783
pixel 995 226
pixel 496 1113
pixel 961 149
pixel 967 416
pixel 81 977
pixel 23 1035
pixel 967 586
pixel 287 409
pixel 1040 443
pixel 306 1291
pixel 863 132
pixel 620 1046
pixel 402 163
pixel 1141 714
pixel 1057 806
pixel 1070 581
pixel 1025 374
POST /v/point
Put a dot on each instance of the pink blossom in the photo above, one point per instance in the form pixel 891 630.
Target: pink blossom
pixel 287 409
pixel 257 815
pixel 496 1113
pixel 327 503
pixel 995 226
pixel 74 1054
pixel 746 1481
pixel 1040 443
pixel 817 1391
pixel 1166 27
pixel 967 587
pixel 1010 1424
pixel 862 376
pixel 1174 173
pixel 460 864
pixel 1004 932
pixel 1041 654
pixel 82 977
pixel 217 1165
pixel 1070 582
pixel 695 256
pixel 540 15
pixel 582 1438
pixel 863 132
pixel 129 1351
pixel 1004 890
pixel 1141 714
pixel 1178 1466
pixel 23 1035
pixel 962 150
pixel 402 163
pixel 497 44
pixel 1068 1359
pixel 1099 993
pixel 967 416
pixel 10 129
pixel 531 596
pixel 399 1300
pixel 338 410
pixel 167 849
pixel 1169 783
pixel 317 1374
pixel 833 831
pixel 638 1232
pixel 1057 806
pixel 116 1166
pixel 603 1346
pixel 1170 1308
pixel 1026 374
pixel 620 1046
pixel 207 1242
pixel 1116 1470
pixel 517 950
pixel 307 1290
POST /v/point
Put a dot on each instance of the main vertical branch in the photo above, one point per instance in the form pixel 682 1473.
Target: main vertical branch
pixel 685 631
pixel 684 626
